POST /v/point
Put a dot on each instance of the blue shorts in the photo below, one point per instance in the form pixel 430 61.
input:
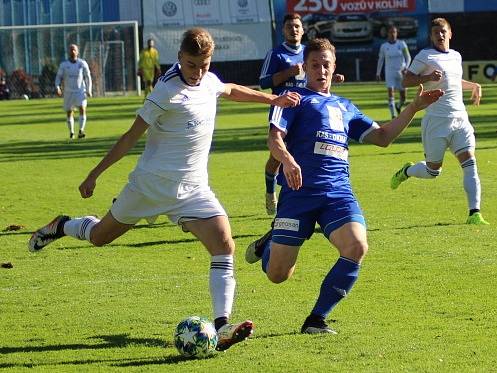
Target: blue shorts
pixel 299 211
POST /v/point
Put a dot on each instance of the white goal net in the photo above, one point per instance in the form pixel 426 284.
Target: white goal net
pixel 31 55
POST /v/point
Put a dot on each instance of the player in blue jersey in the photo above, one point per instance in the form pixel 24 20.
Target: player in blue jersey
pixel 311 142
pixel 282 69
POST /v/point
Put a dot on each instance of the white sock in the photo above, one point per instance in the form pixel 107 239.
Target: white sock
pixel 222 285
pixel 82 123
pixel 80 228
pixel 471 183
pixel 422 171
pixel 70 124
pixel 391 106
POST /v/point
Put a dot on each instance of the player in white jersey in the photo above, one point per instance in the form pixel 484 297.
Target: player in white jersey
pixel 75 74
pixel 395 54
pixel 171 176
pixel 445 124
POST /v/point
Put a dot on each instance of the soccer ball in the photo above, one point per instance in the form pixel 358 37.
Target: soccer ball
pixel 195 337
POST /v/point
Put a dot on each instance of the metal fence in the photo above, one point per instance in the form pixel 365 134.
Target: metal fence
pixel 31 55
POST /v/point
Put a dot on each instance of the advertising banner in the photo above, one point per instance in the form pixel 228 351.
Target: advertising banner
pixel 241 29
pixel 480 71
pixel 357 28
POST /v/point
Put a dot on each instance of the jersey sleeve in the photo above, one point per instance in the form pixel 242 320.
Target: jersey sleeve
pixel 282 118
pixel 219 86
pixel 58 77
pixel 418 64
pixel 87 76
pixel 359 124
pixel 405 52
pixel 269 68
pixel 150 112
pixel 381 59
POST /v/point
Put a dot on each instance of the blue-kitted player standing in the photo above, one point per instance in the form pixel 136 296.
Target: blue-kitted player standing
pixel 311 142
pixel 282 69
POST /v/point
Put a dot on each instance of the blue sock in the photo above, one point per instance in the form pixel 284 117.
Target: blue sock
pixel 270 182
pixel 336 285
pixel 265 255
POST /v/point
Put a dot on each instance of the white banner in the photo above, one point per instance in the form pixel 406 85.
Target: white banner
pixel 204 12
pixel 233 42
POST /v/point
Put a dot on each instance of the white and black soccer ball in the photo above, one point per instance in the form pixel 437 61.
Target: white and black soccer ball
pixel 195 337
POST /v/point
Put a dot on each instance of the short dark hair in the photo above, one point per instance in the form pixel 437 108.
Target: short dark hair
pixel 318 45
pixel 291 16
pixel 440 22
pixel 197 41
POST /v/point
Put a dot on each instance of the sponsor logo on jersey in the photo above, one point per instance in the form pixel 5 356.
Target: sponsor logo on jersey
pixel 194 123
pixel 287 224
pixel 331 150
pixel 331 136
pixel 180 97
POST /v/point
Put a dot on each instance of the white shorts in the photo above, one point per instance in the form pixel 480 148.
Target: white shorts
pixel 393 79
pixel 147 195
pixel 74 99
pixel 440 133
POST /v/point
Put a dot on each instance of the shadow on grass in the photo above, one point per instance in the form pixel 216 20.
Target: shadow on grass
pixel 416 226
pixel 106 341
pixel 225 140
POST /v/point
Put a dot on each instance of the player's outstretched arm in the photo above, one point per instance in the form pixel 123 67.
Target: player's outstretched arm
pixel 412 80
pixel 475 91
pixel 241 93
pixel 119 150
pixel 291 169
pixel 387 133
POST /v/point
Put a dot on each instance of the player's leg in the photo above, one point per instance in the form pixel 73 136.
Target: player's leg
pixel 391 102
pixel 90 228
pixel 68 108
pixel 270 173
pixel 402 98
pixel 215 235
pixel 344 225
pixel 463 146
pixel 82 119
pixel 70 122
pixel 434 143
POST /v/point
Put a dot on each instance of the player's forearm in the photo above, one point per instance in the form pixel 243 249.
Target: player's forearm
pixel 241 93
pixel 278 149
pixel 281 77
pixel 468 85
pixel 125 143
pixel 412 80
pixel 392 130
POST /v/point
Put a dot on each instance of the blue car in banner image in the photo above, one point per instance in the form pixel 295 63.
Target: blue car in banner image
pixel 406 26
pixel 317 25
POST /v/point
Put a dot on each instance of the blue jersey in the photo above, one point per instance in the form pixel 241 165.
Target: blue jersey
pixel 317 135
pixel 279 59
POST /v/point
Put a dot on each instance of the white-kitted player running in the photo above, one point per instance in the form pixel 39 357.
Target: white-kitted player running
pixel 445 124
pixel 75 74
pixel 171 175
pixel 395 54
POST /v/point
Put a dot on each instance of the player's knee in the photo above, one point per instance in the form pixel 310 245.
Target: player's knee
pixel 433 172
pixel 278 276
pixel 356 250
pixel 226 246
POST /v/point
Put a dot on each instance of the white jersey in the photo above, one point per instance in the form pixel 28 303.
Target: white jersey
pixel 76 76
pixel 396 57
pixel 181 119
pixel 451 104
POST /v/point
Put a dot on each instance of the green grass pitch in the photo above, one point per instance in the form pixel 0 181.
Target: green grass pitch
pixel 425 301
